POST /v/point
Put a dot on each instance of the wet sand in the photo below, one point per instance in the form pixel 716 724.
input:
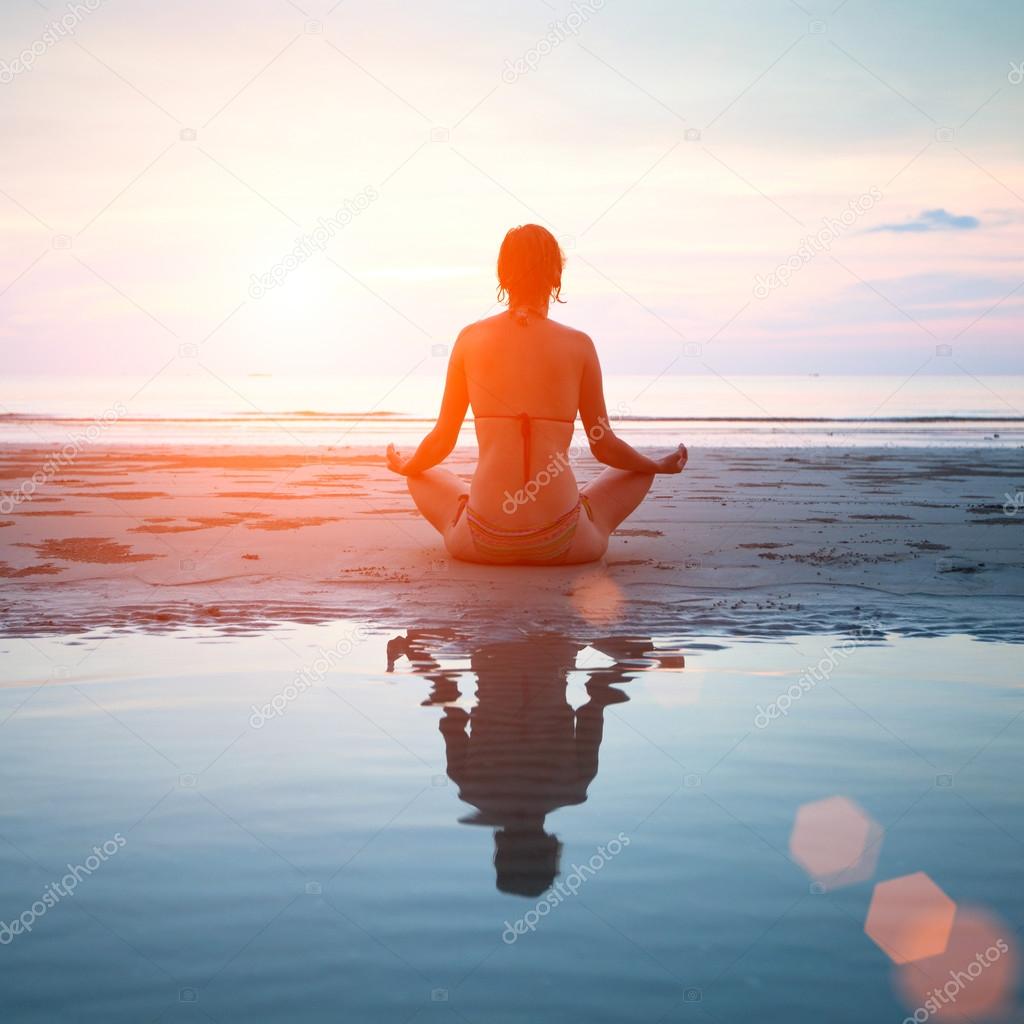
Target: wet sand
pixel 757 541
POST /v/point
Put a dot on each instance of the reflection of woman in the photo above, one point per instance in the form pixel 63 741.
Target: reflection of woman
pixel 526 377
pixel 522 752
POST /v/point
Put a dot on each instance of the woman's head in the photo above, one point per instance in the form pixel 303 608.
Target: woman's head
pixel 530 266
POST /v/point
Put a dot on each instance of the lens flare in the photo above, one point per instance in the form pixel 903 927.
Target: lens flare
pixel 974 977
pixel 910 918
pixel 835 841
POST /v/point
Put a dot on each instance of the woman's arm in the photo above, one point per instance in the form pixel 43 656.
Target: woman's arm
pixel 438 444
pixel 606 446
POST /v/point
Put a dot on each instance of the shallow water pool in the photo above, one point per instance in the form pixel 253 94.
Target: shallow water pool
pixel 352 822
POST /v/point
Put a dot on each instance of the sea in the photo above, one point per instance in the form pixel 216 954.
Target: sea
pixel 201 407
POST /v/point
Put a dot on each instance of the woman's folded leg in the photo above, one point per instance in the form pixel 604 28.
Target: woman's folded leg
pixel 611 498
pixel 616 494
pixel 437 493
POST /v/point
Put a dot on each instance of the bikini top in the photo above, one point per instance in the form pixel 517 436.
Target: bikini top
pixel 526 431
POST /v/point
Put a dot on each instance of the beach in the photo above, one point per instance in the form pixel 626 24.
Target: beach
pixel 270 755
pixel 748 542
pixel 348 775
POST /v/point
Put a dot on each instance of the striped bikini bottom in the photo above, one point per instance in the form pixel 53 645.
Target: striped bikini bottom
pixel 544 545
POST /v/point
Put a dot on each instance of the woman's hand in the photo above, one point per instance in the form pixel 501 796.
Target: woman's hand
pixel 395 460
pixel 674 462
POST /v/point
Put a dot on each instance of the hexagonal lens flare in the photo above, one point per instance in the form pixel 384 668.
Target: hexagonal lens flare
pixel 910 918
pixel 835 841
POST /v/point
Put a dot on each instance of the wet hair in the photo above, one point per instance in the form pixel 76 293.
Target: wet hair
pixel 525 860
pixel 530 265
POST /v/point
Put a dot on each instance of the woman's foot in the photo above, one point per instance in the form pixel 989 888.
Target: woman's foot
pixel 674 462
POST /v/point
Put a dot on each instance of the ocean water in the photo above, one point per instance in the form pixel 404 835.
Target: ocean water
pixel 703 409
pixel 352 821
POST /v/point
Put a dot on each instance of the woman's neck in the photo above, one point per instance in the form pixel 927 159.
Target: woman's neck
pixel 523 306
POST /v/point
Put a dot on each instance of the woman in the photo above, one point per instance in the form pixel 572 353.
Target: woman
pixel 526 378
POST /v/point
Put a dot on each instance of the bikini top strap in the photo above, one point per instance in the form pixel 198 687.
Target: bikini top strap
pixel 525 430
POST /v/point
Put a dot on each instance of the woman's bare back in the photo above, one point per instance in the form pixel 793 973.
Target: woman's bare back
pixel 528 366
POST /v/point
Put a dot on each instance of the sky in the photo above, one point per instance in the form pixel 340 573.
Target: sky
pixel 318 188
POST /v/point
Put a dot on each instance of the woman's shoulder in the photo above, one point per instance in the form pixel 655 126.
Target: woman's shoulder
pixel 491 326
pixel 570 332
pixel 579 343
pixel 481 327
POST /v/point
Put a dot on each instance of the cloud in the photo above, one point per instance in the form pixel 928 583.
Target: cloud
pixel 933 220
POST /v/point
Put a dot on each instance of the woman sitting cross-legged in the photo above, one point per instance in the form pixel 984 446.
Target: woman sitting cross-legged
pixel 526 378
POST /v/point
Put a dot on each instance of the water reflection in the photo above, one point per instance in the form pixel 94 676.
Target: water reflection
pixel 521 750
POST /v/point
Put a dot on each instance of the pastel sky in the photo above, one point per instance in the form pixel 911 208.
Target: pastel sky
pixel 164 154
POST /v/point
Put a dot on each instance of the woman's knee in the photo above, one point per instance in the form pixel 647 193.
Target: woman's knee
pixel 416 486
pixel 418 481
pixel 637 485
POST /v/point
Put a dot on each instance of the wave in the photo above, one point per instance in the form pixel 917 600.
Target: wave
pixel 356 417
